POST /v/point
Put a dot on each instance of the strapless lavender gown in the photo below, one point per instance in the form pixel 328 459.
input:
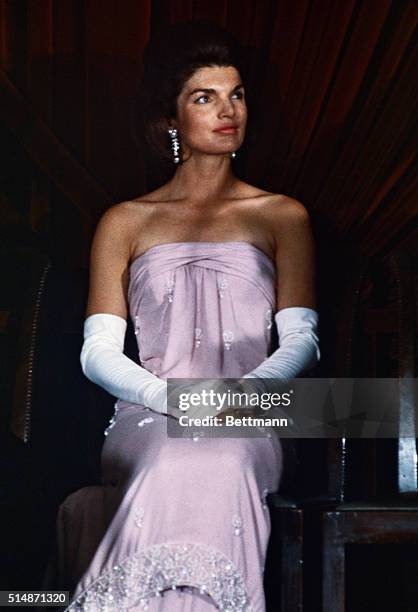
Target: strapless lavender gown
pixel 180 524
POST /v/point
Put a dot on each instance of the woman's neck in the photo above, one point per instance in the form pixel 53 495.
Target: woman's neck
pixel 202 179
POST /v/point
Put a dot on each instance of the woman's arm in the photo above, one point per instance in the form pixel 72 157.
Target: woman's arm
pixel 295 254
pixel 109 263
pixel 102 359
pixel 296 316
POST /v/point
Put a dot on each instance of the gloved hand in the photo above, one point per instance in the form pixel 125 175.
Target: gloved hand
pixel 179 398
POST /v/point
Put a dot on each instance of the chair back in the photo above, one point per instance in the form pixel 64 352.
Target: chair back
pixel 53 418
pixel 377 338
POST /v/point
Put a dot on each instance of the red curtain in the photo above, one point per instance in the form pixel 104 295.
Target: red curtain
pixel 336 84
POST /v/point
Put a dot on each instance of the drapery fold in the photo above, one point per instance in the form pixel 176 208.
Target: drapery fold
pixel 334 82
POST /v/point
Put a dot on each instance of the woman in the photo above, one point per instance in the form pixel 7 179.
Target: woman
pixel 204 265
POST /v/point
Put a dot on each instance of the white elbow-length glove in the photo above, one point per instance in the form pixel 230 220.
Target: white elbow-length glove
pixel 104 363
pixel 298 351
pixel 298 345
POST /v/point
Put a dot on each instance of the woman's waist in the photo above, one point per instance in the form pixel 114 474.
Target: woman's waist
pixel 208 364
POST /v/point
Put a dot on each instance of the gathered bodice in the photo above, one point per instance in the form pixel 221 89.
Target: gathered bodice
pixel 202 309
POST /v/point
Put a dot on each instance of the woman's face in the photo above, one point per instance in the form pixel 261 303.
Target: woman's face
pixel 212 98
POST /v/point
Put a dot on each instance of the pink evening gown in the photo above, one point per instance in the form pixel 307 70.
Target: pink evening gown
pixel 180 524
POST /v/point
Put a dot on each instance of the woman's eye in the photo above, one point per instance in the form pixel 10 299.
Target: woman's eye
pixel 200 98
pixel 204 97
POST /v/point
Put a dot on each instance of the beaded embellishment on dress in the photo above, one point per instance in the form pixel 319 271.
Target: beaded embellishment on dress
pixel 169 289
pixel 142 422
pixel 139 516
pixel 112 421
pixel 264 498
pixel 269 318
pixel 237 524
pixel 228 337
pixel 197 336
pixel 144 575
pixel 222 285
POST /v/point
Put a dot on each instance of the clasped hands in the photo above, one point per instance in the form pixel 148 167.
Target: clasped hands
pixel 197 399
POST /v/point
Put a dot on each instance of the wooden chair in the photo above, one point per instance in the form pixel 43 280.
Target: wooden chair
pixel 378 515
pixel 41 313
pixel 305 484
pixel 284 565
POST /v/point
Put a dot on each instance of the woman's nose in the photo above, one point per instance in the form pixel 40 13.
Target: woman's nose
pixel 227 107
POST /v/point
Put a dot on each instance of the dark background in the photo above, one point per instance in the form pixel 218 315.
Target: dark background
pixel 335 81
pixel 335 85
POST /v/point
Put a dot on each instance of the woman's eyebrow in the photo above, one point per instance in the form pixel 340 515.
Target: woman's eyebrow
pixel 208 90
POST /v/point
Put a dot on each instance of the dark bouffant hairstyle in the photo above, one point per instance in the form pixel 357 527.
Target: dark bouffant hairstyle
pixel 170 59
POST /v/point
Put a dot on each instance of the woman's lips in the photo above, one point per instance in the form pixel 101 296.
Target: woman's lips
pixel 230 130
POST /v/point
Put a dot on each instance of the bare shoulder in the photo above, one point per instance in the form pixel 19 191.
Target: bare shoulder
pixel 121 213
pixel 278 205
pixel 121 220
pixel 246 191
pixel 114 217
pixel 285 213
pixel 282 207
